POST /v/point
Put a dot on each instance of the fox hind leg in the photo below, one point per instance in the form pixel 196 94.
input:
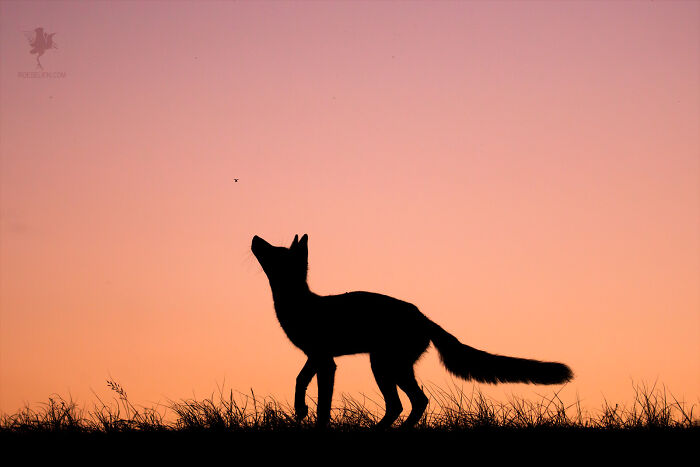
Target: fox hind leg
pixel 393 367
pixel 408 384
pixel 384 375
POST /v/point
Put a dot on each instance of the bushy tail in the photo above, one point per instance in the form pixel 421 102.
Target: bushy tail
pixel 469 363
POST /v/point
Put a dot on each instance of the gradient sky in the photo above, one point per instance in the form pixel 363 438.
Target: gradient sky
pixel 527 174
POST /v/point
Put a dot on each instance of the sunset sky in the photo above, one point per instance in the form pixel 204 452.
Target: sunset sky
pixel 526 173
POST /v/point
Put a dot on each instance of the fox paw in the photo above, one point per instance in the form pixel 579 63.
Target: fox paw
pixel 301 411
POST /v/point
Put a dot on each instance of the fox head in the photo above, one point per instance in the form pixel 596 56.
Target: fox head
pixel 283 266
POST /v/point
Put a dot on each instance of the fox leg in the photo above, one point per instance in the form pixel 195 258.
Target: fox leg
pixel 409 385
pixel 305 376
pixel 386 381
pixel 325 376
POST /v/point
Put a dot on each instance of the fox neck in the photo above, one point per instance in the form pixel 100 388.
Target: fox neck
pixel 290 294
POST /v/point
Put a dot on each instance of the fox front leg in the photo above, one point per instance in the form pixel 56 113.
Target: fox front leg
pixel 303 380
pixel 325 378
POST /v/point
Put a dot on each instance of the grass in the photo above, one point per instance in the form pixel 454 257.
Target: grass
pixel 450 410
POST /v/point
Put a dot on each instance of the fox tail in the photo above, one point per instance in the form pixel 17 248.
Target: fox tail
pixel 472 364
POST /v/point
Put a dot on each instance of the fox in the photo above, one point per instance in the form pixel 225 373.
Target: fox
pixel 393 332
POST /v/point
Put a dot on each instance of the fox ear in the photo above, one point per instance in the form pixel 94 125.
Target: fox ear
pixel 295 242
pixel 304 242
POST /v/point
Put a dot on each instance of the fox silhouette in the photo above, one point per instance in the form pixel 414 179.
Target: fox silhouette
pixel 394 333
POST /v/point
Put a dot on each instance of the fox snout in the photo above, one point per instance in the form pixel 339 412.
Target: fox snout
pixel 257 244
pixel 263 252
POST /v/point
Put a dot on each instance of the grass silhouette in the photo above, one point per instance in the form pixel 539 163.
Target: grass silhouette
pixel 450 410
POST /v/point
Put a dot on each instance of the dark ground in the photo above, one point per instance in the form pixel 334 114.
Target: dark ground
pixel 548 447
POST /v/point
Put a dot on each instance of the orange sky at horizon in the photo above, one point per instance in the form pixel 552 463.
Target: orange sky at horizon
pixel 526 173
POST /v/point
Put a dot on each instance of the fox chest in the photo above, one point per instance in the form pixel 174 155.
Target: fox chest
pixel 299 327
pixel 292 322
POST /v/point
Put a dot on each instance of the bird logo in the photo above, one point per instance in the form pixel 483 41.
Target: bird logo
pixel 40 43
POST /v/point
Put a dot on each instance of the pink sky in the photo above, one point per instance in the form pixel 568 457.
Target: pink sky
pixel 527 174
